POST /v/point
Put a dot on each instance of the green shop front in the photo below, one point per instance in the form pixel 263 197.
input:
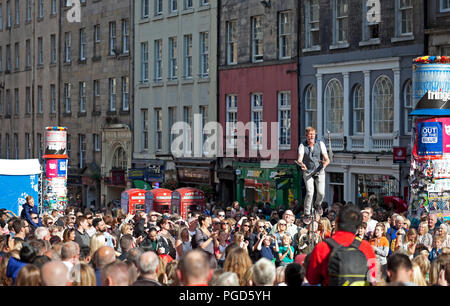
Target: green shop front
pixel 279 186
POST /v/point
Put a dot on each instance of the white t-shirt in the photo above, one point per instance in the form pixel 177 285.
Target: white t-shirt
pixel 323 148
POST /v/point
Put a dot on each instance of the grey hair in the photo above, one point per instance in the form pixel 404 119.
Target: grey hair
pixel 264 272
pixel 41 232
pixel 148 263
pixel 227 279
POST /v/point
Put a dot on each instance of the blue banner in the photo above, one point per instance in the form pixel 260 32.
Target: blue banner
pixel 15 188
pixel 429 138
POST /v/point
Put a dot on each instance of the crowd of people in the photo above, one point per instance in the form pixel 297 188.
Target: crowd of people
pixel 223 245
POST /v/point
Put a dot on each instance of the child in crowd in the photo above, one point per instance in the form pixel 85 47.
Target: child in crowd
pixel 286 251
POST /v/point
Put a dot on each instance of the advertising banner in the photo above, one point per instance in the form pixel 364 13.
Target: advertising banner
pixel 55 142
pixel 429 140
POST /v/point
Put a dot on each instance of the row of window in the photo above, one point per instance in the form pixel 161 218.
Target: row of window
pixel 382 107
pixel 257 131
pixel 113 49
pixel 171 120
pixel 172 55
pixel 28 12
pixel 257 38
pixel 6 108
pixel 158 6
pixel 371 21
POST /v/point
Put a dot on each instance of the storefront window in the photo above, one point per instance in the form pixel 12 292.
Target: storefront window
pixel 379 185
pixel 337 187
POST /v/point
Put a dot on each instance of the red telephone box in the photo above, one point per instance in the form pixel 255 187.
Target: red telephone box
pixel 133 201
pixel 187 199
pixel 159 200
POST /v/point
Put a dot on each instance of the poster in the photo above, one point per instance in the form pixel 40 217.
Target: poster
pixel 429 139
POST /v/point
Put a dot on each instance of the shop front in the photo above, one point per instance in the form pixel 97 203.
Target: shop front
pixel 279 186
pixel 147 174
pixel 355 177
pixel 198 174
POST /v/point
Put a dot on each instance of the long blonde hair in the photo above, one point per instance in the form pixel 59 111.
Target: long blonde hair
pixel 417 276
pixel 86 276
pixel 97 241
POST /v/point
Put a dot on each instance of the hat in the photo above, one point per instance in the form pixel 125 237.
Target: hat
pixel 229 208
pixel 300 259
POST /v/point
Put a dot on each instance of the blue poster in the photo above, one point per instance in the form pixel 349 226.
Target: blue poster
pixel 15 188
pixel 62 167
pixel 429 138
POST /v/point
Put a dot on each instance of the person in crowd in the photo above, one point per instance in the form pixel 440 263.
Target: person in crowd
pixel 81 236
pixel 70 255
pixel 285 250
pixel 392 232
pixel 115 274
pixel 280 230
pixel 147 268
pixel 55 273
pixel 399 269
pixel 29 275
pixel 406 243
pixel 127 243
pixel 347 222
pixel 194 269
pixel 263 272
pixel 324 228
pixel 361 232
pixel 27 209
pixel 294 275
pixel 103 256
pixel 237 261
pixel 183 242
pixel 220 245
pixel 380 246
pixel 423 237
pixel 226 279
pixel 85 276
pixel 204 239
pixel 97 241
pixel 367 214
pixel 438 242
pixel 100 227
pixel 166 239
pixel 69 235
pixel 432 221
pixel 280 279
pixel 268 248
pixel 442 231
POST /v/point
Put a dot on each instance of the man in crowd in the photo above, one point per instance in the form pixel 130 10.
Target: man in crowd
pixel 263 273
pixel 432 220
pixel 55 273
pixel 126 244
pixel 194 269
pixel 28 208
pixel 103 256
pixel 81 235
pixel 399 269
pixel 70 254
pixel 100 227
pixel 115 274
pixel 147 267
pixel 367 213
pixel 91 229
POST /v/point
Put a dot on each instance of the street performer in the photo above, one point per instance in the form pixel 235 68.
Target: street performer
pixel 313 159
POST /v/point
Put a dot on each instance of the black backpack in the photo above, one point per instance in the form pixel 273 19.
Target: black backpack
pixel 347 266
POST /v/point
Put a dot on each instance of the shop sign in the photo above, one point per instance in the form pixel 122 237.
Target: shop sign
pixel 136 173
pixel 153 172
pixel 399 155
pixel 254 173
pixel 194 175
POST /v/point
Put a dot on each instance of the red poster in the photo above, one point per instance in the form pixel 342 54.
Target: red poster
pixel 52 168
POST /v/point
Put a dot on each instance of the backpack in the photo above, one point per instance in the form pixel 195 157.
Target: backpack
pixel 347 266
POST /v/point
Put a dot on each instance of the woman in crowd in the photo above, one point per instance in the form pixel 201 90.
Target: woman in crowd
pixel 380 245
pixel 69 235
pixel 325 228
pixel 237 261
pixel 204 239
pixel 423 237
pixel 85 276
pixel 220 245
pixel 28 275
pixel 97 241
pixel 183 242
pixel 406 243
pixel 280 230
pixel 424 265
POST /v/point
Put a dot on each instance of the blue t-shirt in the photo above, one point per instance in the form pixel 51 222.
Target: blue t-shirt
pixel 267 252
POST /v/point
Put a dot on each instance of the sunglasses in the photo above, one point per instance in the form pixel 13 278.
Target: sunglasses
pixel 34 218
pixel 221 215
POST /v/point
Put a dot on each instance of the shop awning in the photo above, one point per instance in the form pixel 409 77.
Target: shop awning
pixel 142 185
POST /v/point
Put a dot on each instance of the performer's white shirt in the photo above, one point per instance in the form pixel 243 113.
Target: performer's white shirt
pixel 323 148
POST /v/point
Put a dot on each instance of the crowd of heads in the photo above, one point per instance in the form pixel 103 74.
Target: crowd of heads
pixel 224 245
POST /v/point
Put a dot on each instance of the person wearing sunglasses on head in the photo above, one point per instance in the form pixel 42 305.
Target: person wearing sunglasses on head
pixel 28 208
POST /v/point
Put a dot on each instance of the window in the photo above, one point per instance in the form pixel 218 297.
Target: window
pixel 8 58
pixel 407 100
pixel 231 43
pixel 173 67
pixel 16 101
pixel 158 7
pixel 444 5
pixel 405 17
pixel 204 55
pixel 204 2
pixel 204 116
pixel 125 37
pixel 8 152
pixel 82 44
pixel 27 146
pixel 96 97
pixel 334 102
pixel 158 129
pixel 67 47
pixel 8 14
pixel 28 10
pixel 144 127
pixel 28 100
pixel 371 22
pixel 125 94
pixel 69 148
pixel 82 97
pixel 171 120
pixel 16 146
pixel 40 100
pixel 1 20
pixel 257 39
pixel 188 56
pixel 284 119
pixel 173 5
pixel 340 12
pixel 53 98
pixel 144 62
pixel 358 110
pixel 445 50
pixel 310 106
pixel 53 7
pixel 41 9
pixel 383 106
pixel 17 7
pixel 40 52
pixel 112 94
pixel 17 54
pixel 144 8
pixel 158 60
pixel 53 49
pixel 39 145
pixel 8 102
pixel 96 143
pixel 256 118
pixel 187 4
pixel 232 108
pixel 81 150
pixel 67 97
pixel 284 35
pixel 112 38
pixel 187 117
pixel 97 40
pixel 120 159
